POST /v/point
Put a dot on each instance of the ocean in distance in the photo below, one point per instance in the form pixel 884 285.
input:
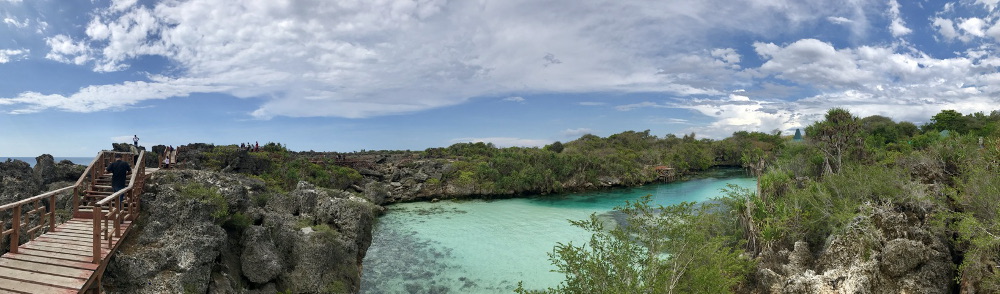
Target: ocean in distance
pixel 31 160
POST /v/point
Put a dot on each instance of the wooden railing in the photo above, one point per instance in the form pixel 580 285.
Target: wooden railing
pixel 30 216
pixel 20 218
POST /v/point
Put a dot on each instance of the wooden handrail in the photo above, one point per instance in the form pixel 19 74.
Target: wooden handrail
pixel 37 197
pixel 87 171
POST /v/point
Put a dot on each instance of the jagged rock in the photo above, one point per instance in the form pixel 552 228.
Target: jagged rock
pixel 885 249
pixel 178 239
pixel 377 192
pixel 800 258
pixel 260 262
pixel 902 256
pixel 17 181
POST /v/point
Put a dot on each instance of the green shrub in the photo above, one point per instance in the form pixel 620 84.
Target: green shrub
pixel 237 222
pixel 671 249
pixel 206 195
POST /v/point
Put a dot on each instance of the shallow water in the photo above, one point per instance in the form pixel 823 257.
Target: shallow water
pixel 478 246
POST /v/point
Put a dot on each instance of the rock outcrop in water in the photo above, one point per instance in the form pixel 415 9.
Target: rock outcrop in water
pixel 887 249
pixel 224 233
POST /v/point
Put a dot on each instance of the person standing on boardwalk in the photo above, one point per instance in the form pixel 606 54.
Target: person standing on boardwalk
pixel 118 169
pixel 135 139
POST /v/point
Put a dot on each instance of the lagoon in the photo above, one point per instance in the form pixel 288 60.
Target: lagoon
pixel 487 246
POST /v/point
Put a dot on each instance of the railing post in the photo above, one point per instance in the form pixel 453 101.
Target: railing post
pixel 76 200
pixel 15 233
pixel 118 217
pixel 52 213
pixel 97 234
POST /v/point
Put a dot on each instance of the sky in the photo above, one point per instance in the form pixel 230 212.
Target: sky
pixel 345 75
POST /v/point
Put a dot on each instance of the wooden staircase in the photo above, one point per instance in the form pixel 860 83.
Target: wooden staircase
pixel 48 257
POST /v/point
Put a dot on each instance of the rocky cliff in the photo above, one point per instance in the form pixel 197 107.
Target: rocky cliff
pixel 225 233
pixel 886 249
pixel 18 180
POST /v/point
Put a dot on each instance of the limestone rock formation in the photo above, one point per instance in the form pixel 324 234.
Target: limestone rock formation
pixel 886 249
pixel 240 238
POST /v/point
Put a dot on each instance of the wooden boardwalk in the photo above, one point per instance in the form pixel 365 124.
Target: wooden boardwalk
pixel 45 257
pixel 56 262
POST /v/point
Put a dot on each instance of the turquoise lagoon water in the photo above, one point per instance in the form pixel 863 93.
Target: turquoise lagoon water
pixel 479 246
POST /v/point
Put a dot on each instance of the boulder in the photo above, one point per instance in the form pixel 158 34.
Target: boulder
pixel 260 260
pixel 885 249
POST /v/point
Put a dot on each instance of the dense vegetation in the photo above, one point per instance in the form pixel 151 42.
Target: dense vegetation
pixel 807 191
pixel 626 159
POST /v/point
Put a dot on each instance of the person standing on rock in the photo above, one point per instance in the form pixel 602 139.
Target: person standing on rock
pixel 135 140
pixel 118 169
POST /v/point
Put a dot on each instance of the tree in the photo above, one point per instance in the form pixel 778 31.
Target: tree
pixel 836 136
pixel 948 120
pixel 556 147
pixel 674 249
pixel 798 135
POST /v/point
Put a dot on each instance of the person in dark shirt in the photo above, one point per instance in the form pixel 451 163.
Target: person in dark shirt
pixel 118 169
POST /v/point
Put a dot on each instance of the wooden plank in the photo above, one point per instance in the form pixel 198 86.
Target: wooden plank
pixel 65 238
pixel 57 270
pixel 73 229
pixel 59 255
pixel 62 248
pixel 23 275
pixel 71 233
pixel 52 261
pixel 15 286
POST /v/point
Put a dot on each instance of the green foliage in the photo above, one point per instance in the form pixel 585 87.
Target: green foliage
pixel 837 136
pixel 274 148
pixel 336 286
pixel 556 147
pixel 206 195
pixel 237 222
pixel 220 155
pixel 286 174
pixel 672 249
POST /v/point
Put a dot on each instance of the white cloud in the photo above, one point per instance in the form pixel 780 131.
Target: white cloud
pixel 576 133
pixel 591 103
pixel 946 28
pixel 728 55
pixel 811 61
pixel 120 5
pixel 371 58
pixel 505 141
pixel 8 55
pixel 898 26
pixel 66 50
pixel 15 23
pixel 97 98
pixel 514 99
pixel 667 121
pixel 990 4
pixel 629 107
pixel 973 26
pixel 839 20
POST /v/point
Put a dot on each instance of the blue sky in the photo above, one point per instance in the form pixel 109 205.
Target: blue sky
pixel 346 75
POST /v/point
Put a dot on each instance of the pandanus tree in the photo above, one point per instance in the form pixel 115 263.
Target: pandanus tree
pixel 836 136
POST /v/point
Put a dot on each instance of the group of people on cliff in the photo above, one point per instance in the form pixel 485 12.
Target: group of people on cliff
pixel 255 147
